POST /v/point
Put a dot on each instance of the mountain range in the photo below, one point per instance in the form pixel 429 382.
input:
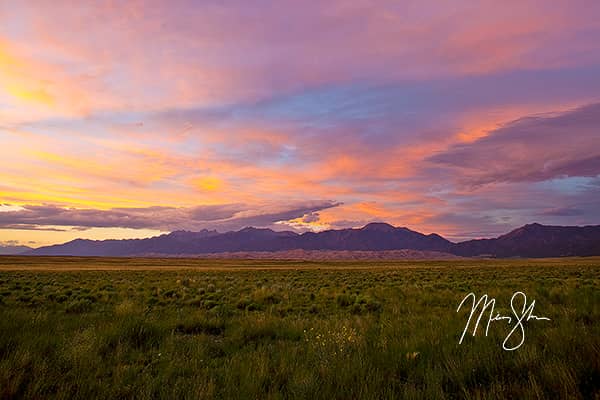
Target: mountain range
pixel 12 250
pixel 532 240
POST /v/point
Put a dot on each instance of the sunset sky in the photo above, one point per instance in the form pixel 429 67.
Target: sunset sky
pixel 131 118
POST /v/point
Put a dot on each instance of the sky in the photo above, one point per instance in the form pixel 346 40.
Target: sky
pixel 130 119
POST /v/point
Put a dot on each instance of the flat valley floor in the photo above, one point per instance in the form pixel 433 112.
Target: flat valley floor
pixel 190 328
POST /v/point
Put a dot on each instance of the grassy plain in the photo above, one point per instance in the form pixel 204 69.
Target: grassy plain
pixel 185 328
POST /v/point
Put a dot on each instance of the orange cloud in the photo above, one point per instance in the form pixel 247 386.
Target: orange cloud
pixel 207 183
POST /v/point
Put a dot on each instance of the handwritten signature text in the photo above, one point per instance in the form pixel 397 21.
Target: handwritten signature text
pixel 520 315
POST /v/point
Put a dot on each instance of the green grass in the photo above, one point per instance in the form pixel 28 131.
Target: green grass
pixel 156 328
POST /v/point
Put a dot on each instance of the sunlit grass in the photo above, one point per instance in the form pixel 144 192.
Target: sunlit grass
pixel 301 330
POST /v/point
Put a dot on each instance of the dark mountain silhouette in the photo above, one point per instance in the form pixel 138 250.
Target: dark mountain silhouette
pixel 172 243
pixel 374 236
pixel 532 240
pixel 11 250
pixel 535 240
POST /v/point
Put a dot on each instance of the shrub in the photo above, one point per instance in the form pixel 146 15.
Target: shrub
pixel 195 302
pixel 208 304
pixel 356 309
pixel 200 326
pixel 373 306
pixel 243 303
pixel 344 300
pixel 132 333
pixel 79 306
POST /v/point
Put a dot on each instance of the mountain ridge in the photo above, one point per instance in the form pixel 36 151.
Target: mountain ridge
pixel 531 240
pixel 14 250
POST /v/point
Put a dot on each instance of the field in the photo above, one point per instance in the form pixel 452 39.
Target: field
pixel 183 328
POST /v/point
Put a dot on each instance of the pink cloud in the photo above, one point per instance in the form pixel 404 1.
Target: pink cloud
pixel 533 148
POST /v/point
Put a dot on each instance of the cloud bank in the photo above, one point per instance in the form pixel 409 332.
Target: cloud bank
pixel 220 217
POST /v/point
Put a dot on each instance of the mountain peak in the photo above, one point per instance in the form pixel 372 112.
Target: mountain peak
pixel 180 232
pixel 188 235
pixel 378 227
pixel 533 225
pixel 524 230
pixel 253 229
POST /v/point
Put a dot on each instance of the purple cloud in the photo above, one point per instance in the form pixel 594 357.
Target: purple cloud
pixel 220 217
pixel 531 149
